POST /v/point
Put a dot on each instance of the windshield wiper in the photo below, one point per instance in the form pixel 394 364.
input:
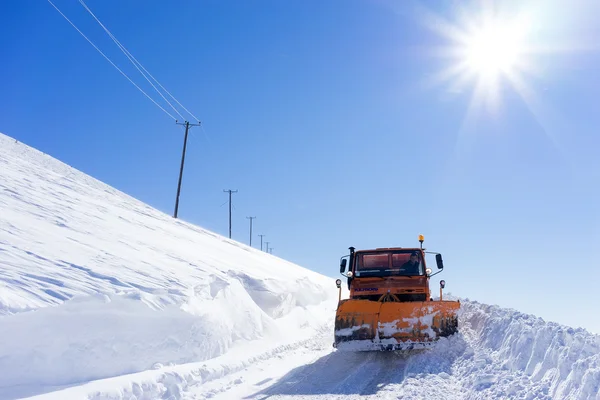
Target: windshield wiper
pixel 372 274
pixel 398 274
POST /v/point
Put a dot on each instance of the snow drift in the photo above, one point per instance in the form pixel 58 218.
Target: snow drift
pixel 523 353
pixel 94 283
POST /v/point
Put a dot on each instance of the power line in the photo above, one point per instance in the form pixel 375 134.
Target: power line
pixel 230 192
pixel 261 240
pixel 251 218
pixel 135 62
pixel 113 64
pixel 187 127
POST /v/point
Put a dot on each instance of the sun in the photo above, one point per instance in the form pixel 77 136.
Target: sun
pixel 492 51
pixel 498 57
pixel 487 49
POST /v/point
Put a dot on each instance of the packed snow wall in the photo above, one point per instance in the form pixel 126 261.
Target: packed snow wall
pixel 94 283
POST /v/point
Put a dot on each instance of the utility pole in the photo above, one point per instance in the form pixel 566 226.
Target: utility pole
pixel 250 218
pixel 230 191
pixel 187 127
pixel 267 249
pixel 261 239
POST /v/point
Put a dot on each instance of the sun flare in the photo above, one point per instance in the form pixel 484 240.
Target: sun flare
pixel 492 51
pixel 488 48
pixel 495 56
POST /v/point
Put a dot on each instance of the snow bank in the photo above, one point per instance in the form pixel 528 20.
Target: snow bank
pixel 501 353
pixel 95 284
pixel 564 363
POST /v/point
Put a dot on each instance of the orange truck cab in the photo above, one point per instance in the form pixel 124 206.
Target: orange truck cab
pixel 390 306
pixel 383 271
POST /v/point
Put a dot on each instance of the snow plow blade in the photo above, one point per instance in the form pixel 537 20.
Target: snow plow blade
pixel 365 325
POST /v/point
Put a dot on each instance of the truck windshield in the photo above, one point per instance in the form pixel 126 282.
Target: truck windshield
pixel 397 262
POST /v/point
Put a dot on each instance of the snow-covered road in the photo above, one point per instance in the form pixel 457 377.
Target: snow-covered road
pixel 315 372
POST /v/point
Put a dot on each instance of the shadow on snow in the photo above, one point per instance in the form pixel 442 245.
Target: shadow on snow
pixel 363 373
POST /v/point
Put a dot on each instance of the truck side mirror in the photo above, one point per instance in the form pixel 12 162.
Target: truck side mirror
pixel 439 261
pixel 343 266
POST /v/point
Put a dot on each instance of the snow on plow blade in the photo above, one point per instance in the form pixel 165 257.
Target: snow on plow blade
pixel 371 325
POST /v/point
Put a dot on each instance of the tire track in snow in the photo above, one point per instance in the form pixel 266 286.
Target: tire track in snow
pixel 316 371
pixel 340 375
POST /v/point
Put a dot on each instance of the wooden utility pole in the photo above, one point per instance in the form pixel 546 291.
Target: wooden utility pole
pixel 187 127
pixel 267 249
pixel 230 191
pixel 261 240
pixel 251 218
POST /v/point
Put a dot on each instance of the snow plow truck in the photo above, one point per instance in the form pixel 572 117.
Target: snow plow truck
pixel 390 307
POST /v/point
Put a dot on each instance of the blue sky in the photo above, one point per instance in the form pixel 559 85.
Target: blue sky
pixel 328 119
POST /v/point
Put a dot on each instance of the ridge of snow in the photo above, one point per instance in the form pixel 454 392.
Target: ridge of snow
pixel 96 284
pixel 563 362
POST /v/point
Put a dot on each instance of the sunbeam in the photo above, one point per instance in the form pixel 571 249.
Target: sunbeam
pixel 487 49
pixel 490 47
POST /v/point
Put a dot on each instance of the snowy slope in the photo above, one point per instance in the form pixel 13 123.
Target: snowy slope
pixel 94 283
pixel 103 297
